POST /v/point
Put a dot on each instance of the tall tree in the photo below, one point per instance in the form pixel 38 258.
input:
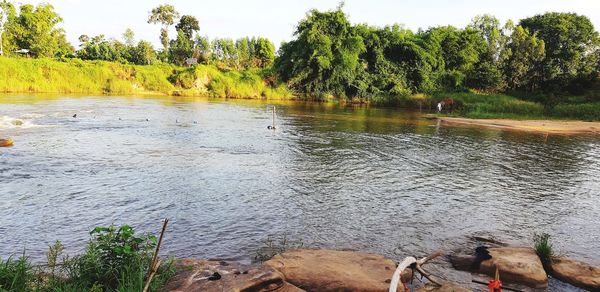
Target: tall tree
pixel 165 15
pixel 570 40
pixel 35 29
pixel 524 54
pixel 129 37
pixel 324 57
pixel 188 25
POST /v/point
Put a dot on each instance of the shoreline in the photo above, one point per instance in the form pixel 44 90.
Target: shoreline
pixel 568 127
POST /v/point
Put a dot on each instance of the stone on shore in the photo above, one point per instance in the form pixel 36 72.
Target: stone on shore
pixel 446 287
pixel 199 275
pixel 332 270
pixel 516 264
pixel 576 273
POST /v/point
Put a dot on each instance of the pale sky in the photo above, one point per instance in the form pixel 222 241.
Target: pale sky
pixel 276 19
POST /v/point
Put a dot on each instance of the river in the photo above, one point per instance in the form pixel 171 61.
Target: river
pixel 331 176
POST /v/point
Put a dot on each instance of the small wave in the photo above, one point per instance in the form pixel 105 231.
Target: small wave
pixel 13 123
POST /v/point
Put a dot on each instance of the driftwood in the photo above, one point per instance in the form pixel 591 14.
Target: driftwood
pixel 155 263
pixel 411 262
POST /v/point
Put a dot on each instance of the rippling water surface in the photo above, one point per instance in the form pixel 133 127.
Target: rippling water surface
pixel 379 180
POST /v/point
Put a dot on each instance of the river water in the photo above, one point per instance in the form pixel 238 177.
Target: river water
pixel 331 176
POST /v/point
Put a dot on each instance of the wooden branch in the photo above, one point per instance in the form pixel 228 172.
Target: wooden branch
pixel 155 263
pixel 409 261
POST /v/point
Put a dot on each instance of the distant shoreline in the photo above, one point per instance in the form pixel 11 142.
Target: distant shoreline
pixel 539 126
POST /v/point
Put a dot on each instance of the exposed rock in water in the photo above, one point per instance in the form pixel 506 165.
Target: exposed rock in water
pixel 331 270
pixel 576 273
pixel 217 276
pixel 516 264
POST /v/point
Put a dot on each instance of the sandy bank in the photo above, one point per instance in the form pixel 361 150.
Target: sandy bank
pixel 541 126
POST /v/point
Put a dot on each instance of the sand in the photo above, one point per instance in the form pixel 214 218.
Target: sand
pixel 541 126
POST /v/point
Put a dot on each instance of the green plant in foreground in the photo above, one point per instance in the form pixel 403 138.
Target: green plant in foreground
pixel 543 247
pixel 15 275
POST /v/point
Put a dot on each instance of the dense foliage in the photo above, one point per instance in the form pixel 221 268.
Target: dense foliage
pixel 553 52
pixel 115 259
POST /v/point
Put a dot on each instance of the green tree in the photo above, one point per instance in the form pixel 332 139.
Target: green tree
pixel 129 37
pixel 188 25
pixel 165 15
pixel 523 57
pixel 263 51
pixel 143 54
pixel 569 38
pixel 180 49
pixel 34 28
pixel 324 57
pixel 202 49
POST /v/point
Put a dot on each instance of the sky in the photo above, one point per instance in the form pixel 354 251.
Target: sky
pixel 276 19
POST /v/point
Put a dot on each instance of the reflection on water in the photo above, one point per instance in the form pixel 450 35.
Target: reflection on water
pixel 343 177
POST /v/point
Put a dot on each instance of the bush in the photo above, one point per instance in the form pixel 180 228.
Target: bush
pixel 116 259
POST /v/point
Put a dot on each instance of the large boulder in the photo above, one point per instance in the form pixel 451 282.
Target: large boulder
pixel 218 276
pixel 332 270
pixel 576 273
pixel 516 264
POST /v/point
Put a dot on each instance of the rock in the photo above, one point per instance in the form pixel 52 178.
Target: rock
pixel 516 264
pixel 576 273
pixel 201 275
pixel 331 270
pixel 6 142
pixel 446 287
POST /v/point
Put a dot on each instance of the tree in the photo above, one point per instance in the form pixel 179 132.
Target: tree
pixel 202 49
pixel 188 25
pixel 165 15
pixel 324 57
pixel 34 28
pixel 523 55
pixel 263 51
pixel 4 11
pixel 569 40
pixel 129 37
pixel 143 54
pixel 180 49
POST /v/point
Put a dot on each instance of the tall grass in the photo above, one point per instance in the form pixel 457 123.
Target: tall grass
pixel 543 247
pixel 101 77
pixel 15 275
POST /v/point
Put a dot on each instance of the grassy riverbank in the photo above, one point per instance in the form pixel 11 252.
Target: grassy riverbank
pixel 23 75
pixel 502 106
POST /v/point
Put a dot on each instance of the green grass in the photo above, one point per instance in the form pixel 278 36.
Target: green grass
pixel 581 111
pixel 543 247
pixel 100 77
pixel 15 275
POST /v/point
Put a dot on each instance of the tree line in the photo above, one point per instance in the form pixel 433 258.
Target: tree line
pixel 550 53
pixel 35 28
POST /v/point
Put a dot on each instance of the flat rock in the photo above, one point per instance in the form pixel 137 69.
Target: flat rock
pixel 332 270
pixel 576 273
pixel 446 287
pixel 193 275
pixel 516 264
